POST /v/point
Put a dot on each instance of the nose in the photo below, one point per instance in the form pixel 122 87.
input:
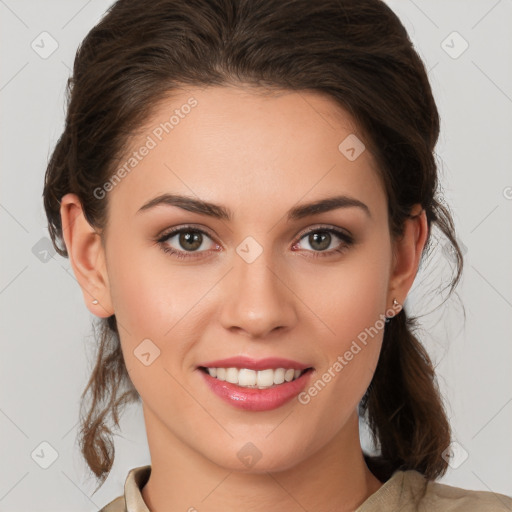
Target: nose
pixel 256 299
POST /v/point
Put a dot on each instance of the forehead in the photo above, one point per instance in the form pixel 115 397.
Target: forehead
pixel 244 146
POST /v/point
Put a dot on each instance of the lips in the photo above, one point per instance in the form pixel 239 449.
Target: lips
pixel 257 399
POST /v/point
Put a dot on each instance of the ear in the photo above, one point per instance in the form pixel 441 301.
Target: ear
pixel 87 256
pixel 407 252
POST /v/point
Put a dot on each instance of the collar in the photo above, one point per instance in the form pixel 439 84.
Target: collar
pixel 135 481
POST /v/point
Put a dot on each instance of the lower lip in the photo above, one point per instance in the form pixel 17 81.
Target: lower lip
pixel 254 399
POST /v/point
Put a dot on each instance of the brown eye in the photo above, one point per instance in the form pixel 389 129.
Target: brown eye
pixel 320 239
pixel 190 240
pixel 187 240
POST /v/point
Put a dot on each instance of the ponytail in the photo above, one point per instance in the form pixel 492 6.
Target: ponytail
pixel 108 380
pixel 403 403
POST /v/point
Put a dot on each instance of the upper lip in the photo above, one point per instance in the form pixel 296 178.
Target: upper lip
pixel 255 364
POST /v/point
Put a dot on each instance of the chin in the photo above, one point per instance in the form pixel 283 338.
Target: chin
pixel 259 457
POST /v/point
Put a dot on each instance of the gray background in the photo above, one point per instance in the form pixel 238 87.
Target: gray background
pixel 46 335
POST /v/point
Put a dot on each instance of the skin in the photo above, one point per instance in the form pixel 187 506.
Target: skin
pixel 258 155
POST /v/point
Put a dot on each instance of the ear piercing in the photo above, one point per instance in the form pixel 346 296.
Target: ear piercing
pixel 95 301
pixel 395 306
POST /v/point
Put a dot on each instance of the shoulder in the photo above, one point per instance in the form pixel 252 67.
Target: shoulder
pixel 432 495
pixel 117 505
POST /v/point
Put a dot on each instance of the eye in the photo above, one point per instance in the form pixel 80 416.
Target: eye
pixel 188 239
pixel 321 238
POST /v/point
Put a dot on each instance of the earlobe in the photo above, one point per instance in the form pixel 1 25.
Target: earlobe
pixel 87 256
pixel 407 252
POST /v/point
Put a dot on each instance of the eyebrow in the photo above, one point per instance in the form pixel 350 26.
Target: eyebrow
pixel 220 212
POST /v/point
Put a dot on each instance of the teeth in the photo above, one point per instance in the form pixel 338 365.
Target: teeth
pixel 279 376
pixel 261 379
pixel 248 378
pixel 232 375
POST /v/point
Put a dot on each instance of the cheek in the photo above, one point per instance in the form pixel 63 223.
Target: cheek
pixel 351 298
pixel 148 295
pixel 351 302
pixel 158 301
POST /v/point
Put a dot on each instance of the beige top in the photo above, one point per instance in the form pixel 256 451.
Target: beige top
pixel 399 493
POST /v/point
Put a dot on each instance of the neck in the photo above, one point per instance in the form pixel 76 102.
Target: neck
pixel 333 478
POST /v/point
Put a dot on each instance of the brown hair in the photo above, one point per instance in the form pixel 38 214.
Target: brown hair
pixel 356 52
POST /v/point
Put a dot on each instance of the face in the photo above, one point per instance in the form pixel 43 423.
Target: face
pixel 261 283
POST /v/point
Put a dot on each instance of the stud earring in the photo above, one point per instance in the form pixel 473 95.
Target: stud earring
pixel 95 301
pixel 395 304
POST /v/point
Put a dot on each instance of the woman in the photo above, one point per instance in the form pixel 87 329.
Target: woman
pixel 245 191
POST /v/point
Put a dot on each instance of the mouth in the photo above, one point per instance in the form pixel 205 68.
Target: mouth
pixel 255 379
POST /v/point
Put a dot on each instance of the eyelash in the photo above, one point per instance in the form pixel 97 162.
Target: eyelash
pixel 346 239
